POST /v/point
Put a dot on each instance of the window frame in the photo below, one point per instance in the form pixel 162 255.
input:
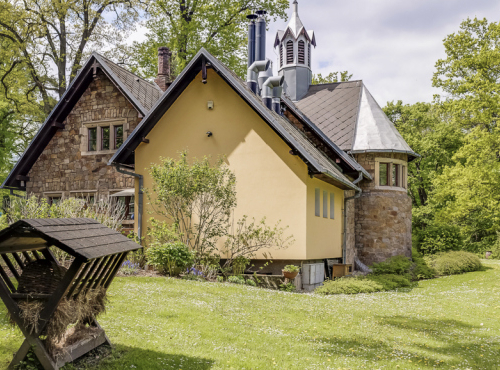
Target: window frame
pixel 100 126
pixel 402 174
pixel 89 147
pixel 332 206
pixel 387 174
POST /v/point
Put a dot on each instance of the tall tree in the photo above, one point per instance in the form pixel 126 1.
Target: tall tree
pixel 187 25
pixel 51 37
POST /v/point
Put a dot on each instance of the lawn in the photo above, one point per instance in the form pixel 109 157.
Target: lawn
pixel 162 323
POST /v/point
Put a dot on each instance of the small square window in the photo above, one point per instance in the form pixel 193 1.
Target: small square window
pixel 317 201
pixel 384 174
pixel 118 136
pixel 54 200
pixel 332 206
pixel 325 204
pixel 92 139
pixel 105 131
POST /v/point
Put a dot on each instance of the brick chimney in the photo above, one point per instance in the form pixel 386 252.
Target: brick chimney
pixel 163 80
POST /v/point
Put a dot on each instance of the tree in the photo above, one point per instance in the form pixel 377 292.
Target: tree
pixel 331 78
pixel 470 74
pixel 427 132
pixel 56 34
pixel 187 25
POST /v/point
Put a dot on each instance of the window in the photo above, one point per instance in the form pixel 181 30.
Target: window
pixel 309 54
pixel 332 206
pixel 317 202
pixel 105 131
pixel 384 174
pixel 92 139
pixel 281 55
pixel 302 52
pixel 118 136
pixel 325 204
pixel 56 199
pixel 128 204
pixel 289 52
pixel 395 175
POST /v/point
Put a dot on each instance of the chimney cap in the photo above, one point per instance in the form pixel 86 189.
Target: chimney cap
pixel 261 12
pixel 252 16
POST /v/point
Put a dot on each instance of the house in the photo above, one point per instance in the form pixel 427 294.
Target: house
pixel 323 159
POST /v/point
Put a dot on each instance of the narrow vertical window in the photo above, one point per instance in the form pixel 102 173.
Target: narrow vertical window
pixel 403 176
pixel 118 136
pixel 309 55
pixel 332 206
pixel 302 52
pixel 289 52
pixel 317 202
pixel 281 55
pixel 325 204
pixel 395 175
pixel 92 139
pixel 105 131
pixel 384 174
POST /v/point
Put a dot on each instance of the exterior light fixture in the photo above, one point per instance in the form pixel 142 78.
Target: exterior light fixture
pixel 209 133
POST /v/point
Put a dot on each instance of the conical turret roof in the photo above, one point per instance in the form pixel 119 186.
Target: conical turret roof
pixel 295 27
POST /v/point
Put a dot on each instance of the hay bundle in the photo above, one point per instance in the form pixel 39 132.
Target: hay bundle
pixel 71 315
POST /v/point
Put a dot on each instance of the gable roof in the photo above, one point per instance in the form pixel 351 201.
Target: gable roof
pixel 349 116
pixel 139 92
pixel 81 237
pixel 316 160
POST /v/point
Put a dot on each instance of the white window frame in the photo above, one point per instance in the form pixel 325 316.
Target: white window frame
pixel 84 135
pixel 403 174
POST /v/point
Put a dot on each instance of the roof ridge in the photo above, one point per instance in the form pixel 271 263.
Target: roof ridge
pixel 338 82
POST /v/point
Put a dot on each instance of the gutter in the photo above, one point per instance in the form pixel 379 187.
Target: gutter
pixel 141 193
pixel 355 196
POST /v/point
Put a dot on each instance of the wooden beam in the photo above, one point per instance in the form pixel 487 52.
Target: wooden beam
pixel 3 275
pixel 78 349
pixel 144 140
pixel 57 125
pixel 79 279
pixel 115 270
pixel 11 266
pixel 18 260
pixel 22 178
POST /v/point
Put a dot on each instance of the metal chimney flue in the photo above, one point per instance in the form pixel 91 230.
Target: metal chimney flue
pixel 251 39
pixel 271 93
pixel 260 36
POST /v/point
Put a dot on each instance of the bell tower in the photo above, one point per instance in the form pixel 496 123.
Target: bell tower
pixel 295 45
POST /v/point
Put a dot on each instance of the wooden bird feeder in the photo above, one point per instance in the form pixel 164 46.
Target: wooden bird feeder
pixel 32 273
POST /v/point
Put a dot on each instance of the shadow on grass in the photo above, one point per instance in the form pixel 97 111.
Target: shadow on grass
pixel 125 357
pixel 427 343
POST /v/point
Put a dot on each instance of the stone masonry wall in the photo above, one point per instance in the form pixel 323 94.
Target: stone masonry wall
pixel 382 216
pixel 63 167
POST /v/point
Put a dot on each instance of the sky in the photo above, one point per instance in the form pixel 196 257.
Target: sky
pixel 392 45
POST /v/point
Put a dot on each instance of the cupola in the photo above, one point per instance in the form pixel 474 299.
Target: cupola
pixel 295 44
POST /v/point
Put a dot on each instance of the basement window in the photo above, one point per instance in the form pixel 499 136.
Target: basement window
pixel 317 202
pixel 332 206
pixel 384 174
pixel 92 139
pixel 54 199
pixel 105 131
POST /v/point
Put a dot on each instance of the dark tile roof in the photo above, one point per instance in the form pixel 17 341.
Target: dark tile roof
pixel 289 133
pixel 147 93
pixel 80 237
pixel 333 108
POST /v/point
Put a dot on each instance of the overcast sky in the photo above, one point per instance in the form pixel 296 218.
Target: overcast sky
pixel 392 45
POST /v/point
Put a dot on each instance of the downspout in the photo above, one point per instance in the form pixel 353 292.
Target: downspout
pixel 355 196
pixel 139 211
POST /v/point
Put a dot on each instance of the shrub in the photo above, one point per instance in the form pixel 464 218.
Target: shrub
pixel 236 279
pixel 349 286
pixel 220 279
pixel 439 238
pixel 291 268
pixel 389 282
pixel 454 262
pixel 495 248
pixel 397 265
pixel 421 269
pixel 170 257
pixel 251 282
pixel 240 264
pixel 288 287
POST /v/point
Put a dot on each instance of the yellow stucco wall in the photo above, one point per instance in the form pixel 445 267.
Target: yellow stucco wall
pixel 270 181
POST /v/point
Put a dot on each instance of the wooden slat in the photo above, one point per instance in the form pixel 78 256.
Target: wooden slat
pixel 27 257
pixel 110 269
pixel 47 253
pixel 18 260
pixel 36 255
pixel 115 270
pixel 81 276
pixel 77 350
pixel 11 266
pixel 3 275
pixel 101 272
pixel 85 286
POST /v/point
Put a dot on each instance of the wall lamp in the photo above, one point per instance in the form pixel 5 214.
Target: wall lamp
pixel 209 133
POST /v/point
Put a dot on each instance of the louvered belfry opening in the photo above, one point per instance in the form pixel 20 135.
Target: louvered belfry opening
pixel 281 55
pixel 309 54
pixel 289 52
pixel 302 51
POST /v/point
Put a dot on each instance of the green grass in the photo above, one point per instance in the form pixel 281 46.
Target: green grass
pixel 161 323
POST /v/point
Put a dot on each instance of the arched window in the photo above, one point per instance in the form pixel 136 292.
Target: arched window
pixel 281 55
pixel 289 52
pixel 309 55
pixel 302 52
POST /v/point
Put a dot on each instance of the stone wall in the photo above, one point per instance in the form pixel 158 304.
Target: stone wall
pixel 382 216
pixel 63 167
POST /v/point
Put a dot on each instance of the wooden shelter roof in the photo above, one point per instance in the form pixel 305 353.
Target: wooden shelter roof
pixel 80 237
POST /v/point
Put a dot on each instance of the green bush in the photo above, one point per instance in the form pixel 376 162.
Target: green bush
pixel 236 279
pixel 240 264
pixel 454 262
pixel 421 269
pixel 170 257
pixel 288 287
pixel 291 268
pixel 389 282
pixel 364 284
pixel 437 238
pixel 397 265
pixel 220 279
pixel 251 282
pixel 495 248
